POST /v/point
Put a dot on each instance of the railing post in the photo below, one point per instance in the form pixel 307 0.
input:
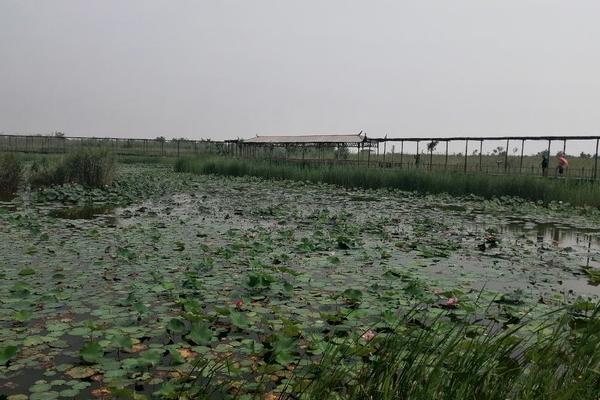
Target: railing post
pixel 430 158
pixel 521 162
pixel 480 155
pixel 506 156
pixel 446 158
pixel 596 159
pixel 466 153
pixel 401 152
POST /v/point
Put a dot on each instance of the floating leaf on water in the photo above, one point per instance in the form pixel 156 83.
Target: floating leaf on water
pixel 239 319
pixel 91 352
pixel 200 333
pixel 49 395
pixel 353 296
pixel 69 393
pixel 22 315
pixel 40 387
pixel 17 397
pixel 81 372
pixel 26 271
pixel 151 357
pixel 284 348
pixel 123 342
pixel 176 325
pixel 6 353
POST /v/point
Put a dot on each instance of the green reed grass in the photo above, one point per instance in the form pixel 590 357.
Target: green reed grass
pixel 576 192
pixel 459 361
pixel 555 356
pixel 91 168
pixel 10 173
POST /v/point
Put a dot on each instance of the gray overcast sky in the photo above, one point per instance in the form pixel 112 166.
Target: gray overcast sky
pixel 226 69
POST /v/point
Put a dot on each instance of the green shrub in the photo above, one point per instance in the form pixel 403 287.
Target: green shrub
pixel 10 174
pixel 89 168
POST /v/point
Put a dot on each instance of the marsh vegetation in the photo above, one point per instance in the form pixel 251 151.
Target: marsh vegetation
pixel 209 285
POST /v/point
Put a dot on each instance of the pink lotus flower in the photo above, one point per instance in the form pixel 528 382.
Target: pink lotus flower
pixel 239 303
pixel 368 335
pixel 451 302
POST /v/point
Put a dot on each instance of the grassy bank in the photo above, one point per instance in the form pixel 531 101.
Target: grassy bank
pixel 489 186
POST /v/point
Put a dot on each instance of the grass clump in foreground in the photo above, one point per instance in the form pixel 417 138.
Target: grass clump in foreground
pixel 90 168
pixel 555 356
pixel 10 174
pixel 578 193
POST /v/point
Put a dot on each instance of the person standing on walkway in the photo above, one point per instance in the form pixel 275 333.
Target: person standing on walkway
pixel 563 163
pixel 545 163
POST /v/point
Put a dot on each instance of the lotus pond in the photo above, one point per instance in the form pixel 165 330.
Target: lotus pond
pixel 173 285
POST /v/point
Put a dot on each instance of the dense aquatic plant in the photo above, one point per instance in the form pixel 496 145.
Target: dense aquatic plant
pixel 573 191
pixel 91 168
pixel 10 173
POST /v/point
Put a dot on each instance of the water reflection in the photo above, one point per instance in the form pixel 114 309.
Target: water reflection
pixel 558 235
pixel 107 213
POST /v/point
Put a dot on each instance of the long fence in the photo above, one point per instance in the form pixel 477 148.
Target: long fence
pixel 511 155
pixel 119 146
pixel 508 154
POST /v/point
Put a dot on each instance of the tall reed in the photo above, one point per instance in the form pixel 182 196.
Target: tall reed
pixel 572 191
pixel 91 168
pixel 10 174
pixel 462 361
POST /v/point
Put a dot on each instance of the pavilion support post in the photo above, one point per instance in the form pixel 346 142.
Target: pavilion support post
pixel 522 150
pixel 446 157
pixel 418 157
pixel 466 153
pixel 480 154
pixel 564 146
pixel 506 157
pixel 549 144
pixel 384 150
pixel 392 155
pixel 430 158
pixel 596 160
pixel 369 156
pixel 401 152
